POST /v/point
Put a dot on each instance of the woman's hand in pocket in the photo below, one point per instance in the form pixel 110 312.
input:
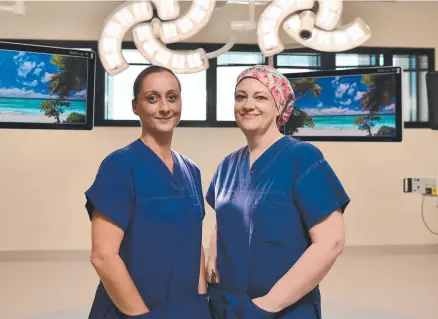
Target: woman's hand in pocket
pixel 143 315
pixel 266 304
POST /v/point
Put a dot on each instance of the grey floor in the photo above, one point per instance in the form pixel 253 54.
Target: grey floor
pixel 364 286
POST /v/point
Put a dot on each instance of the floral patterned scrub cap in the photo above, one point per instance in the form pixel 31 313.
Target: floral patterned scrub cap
pixel 279 86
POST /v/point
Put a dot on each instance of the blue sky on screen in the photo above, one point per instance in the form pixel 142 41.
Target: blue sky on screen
pixel 339 96
pixel 26 75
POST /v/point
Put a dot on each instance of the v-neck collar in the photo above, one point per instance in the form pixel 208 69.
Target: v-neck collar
pixel 158 165
pixel 266 158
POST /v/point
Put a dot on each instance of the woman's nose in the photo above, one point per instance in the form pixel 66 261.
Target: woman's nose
pixel 249 104
pixel 165 107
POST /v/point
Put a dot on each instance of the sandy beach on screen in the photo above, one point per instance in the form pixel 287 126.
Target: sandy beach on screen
pixel 29 118
pixel 334 132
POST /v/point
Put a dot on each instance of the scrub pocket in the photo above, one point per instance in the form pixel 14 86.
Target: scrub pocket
pixel 144 316
pixel 225 305
pixel 303 311
pixel 184 308
pixel 252 311
pixel 121 315
pixel 187 308
pixel 215 302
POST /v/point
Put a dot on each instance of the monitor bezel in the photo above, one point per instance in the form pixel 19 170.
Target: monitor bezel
pixel 90 55
pixel 396 70
pixel 431 100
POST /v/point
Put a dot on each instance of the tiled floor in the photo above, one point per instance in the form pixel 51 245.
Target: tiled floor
pixel 369 286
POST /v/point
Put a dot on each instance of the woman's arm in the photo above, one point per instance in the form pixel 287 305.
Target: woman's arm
pixel 202 287
pixel 106 240
pixel 327 243
pixel 211 261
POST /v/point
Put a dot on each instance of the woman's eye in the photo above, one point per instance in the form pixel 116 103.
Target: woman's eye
pixel 260 98
pixel 172 97
pixel 152 98
pixel 239 97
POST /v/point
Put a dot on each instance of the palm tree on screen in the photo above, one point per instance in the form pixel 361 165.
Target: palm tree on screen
pixel 380 94
pixel 71 79
pixel 299 118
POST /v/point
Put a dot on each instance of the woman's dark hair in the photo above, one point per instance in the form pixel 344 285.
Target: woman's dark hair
pixel 148 71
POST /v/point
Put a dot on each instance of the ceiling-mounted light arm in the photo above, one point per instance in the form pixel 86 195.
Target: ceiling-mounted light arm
pixel 227 47
pixel 236 27
pixel 17 8
pixel 247 25
pixel 270 20
pixel 115 27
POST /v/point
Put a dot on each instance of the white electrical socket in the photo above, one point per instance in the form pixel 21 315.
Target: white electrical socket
pixel 419 185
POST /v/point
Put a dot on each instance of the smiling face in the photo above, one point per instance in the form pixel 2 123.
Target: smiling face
pixel 158 102
pixel 254 107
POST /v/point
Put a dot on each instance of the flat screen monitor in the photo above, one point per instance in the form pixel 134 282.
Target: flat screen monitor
pixel 347 105
pixel 44 87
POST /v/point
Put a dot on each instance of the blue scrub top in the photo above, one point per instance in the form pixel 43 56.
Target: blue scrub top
pixel 263 217
pixel 161 214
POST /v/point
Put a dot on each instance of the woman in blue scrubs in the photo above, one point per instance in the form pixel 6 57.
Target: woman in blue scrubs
pixel 146 207
pixel 279 208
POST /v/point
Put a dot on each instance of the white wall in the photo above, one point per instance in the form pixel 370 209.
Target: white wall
pixel 41 193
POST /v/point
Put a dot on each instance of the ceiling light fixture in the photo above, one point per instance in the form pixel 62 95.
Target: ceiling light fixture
pixel 312 26
pixel 344 38
pixel 317 31
pixel 157 53
pixel 115 27
pixel 151 34
pixel 147 38
pixel 270 20
pixel 188 25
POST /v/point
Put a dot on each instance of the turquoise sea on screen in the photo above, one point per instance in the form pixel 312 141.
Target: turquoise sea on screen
pixel 18 106
pixel 347 121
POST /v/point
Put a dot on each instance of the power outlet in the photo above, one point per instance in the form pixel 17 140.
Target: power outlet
pixel 424 186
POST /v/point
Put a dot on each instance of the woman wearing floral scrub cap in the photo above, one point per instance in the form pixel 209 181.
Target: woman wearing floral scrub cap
pixel 279 210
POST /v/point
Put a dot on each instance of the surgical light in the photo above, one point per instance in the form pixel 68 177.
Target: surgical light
pixel 270 20
pixel 157 53
pixel 312 26
pixel 115 27
pixel 341 39
pixel 317 31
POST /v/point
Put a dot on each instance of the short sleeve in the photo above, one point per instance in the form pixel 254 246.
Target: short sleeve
pixel 111 194
pixel 210 196
pixel 318 192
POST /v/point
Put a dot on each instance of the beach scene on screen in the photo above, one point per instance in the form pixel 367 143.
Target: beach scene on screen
pixel 353 105
pixel 42 88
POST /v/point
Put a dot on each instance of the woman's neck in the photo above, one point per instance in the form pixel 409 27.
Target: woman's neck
pixel 258 143
pixel 160 144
